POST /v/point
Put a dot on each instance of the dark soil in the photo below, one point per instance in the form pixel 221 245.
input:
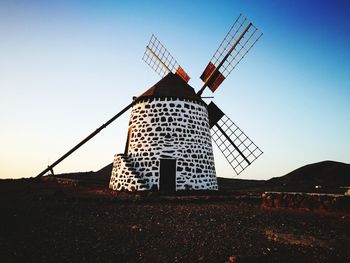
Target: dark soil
pixel 50 222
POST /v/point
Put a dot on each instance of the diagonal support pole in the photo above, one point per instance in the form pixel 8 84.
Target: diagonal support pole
pixel 76 147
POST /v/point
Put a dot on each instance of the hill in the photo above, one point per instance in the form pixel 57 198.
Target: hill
pixel 100 177
pixel 326 174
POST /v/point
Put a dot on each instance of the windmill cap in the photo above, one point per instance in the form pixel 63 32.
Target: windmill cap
pixel 171 86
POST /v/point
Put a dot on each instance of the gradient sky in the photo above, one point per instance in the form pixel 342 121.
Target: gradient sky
pixel 66 67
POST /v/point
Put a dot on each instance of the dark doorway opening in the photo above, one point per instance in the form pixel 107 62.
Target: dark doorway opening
pixel 167 178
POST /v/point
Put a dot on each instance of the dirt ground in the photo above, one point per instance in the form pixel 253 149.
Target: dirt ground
pixel 50 222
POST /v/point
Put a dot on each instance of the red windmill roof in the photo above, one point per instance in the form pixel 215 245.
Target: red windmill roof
pixel 171 86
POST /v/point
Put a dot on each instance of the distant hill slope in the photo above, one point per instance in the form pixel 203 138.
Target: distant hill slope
pixel 228 184
pixel 326 174
pixel 100 177
pixel 105 172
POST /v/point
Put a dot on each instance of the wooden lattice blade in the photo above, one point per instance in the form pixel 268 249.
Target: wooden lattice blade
pixel 236 146
pixel 239 40
pixel 161 61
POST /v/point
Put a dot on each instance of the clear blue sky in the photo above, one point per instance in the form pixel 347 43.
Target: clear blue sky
pixel 66 67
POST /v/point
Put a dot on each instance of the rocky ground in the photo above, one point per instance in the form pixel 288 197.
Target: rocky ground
pixel 51 222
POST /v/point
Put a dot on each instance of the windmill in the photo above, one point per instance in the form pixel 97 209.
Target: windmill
pixel 171 127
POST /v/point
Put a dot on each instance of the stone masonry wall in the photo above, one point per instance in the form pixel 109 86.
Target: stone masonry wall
pixel 306 201
pixel 172 128
pixel 124 176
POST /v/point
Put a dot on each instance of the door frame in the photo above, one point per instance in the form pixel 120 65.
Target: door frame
pixel 174 160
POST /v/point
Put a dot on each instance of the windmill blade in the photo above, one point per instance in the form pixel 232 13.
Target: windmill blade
pixel 237 148
pixel 161 61
pixel 89 137
pixel 239 40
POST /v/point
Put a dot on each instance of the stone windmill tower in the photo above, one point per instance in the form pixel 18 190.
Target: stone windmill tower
pixel 169 141
pixel 171 127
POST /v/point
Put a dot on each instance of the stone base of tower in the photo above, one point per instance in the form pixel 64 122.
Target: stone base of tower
pixel 130 175
pixel 124 176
